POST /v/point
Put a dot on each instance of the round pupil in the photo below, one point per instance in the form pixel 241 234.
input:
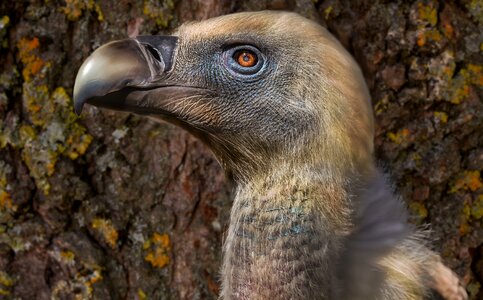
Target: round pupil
pixel 246 58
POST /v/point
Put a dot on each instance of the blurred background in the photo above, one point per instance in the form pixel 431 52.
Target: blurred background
pixel 114 206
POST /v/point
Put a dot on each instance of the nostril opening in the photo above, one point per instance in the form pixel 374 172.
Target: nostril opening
pixel 153 51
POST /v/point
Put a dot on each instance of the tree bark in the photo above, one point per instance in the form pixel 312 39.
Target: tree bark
pixel 114 206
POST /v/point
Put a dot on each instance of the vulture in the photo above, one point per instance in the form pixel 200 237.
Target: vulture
pixel 286 111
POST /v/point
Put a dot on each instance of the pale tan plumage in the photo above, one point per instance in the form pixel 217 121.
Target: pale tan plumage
pixel 312 216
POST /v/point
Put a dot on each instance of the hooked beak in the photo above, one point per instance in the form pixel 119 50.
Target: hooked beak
pixel 130 75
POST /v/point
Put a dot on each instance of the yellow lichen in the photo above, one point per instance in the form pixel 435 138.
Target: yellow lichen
pixel 477 208
pixel 475 8
pixel 87 281
pixel 474 74
pixel 73 9
pixel 460 86
pixel 55 131
pixel 157 247
pixel 419 209
pixel 4 21
pixel 468 180
pixel 441 116
pixel 327 12
pixel 400 136
pixel 427 13
pixel 5 280
pixel 141 295
pixel 5 283
pixel 107 230
pixel 67 255
pixel 35 99
pixel 160 14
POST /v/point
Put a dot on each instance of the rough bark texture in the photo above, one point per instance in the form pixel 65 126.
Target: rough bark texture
pixel 114 206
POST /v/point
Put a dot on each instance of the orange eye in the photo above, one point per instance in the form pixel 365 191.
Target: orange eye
pixel 245 58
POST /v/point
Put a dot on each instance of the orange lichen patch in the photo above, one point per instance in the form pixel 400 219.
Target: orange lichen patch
pixel 107 230
pixel 158 247
pixel 428 35
pixel 28 53
pixel 460 86
pixel 400 136
pixel 95 277
pixel 441 116
pixel 448 30
pixel 428 14
pixel 88 281
pixel 468 180
pixel 475 74
pixel 464 228
pixel 73 9
pixel 6 201
pixel 77 145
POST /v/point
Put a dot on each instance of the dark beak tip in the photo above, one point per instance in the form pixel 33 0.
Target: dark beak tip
pixel 78 104
pixel 78 108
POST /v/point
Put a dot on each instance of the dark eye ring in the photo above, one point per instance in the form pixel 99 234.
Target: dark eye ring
pixel 244 60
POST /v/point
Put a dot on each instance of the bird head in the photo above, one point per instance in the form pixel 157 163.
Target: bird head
pixel 258 88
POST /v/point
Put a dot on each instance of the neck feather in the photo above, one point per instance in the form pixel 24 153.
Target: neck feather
pixel 283 227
